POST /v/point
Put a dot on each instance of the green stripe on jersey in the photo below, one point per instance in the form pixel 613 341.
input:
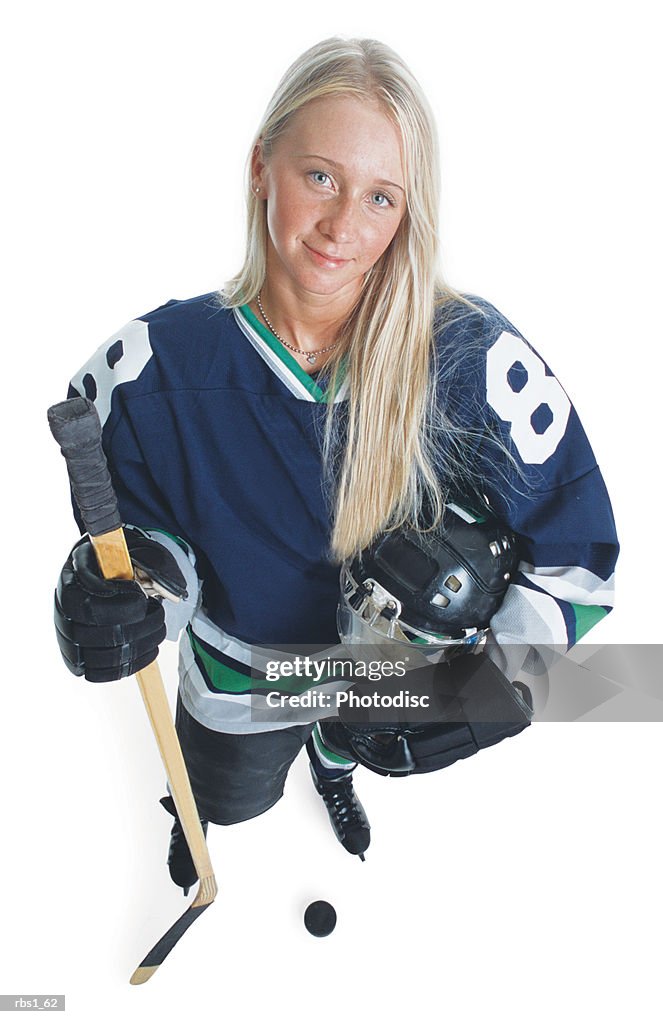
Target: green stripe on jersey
pixel 467 514
pixel 281 351
pixel 229 680
pixel 586 616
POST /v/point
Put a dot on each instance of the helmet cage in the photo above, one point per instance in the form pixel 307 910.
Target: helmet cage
pixel 369 613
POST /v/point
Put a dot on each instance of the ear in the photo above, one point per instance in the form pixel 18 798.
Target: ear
pixel 258 169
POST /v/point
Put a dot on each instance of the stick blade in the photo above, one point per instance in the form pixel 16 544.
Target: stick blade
pixel 141 975
pixel 160 951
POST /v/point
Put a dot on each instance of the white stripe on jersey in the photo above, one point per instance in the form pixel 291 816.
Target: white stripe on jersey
pixel 529 617
pixel 571 583
pixel 244 712
pixel 277 365
pixel 238 650
pixel 283 372
pixel 109 367
pixel 253 656
pixel 206 707
pixel 526 618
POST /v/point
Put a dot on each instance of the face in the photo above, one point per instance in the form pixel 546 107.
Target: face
pixel 335 192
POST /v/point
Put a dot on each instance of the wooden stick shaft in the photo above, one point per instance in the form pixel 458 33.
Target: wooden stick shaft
pixel 114 562
pixel 113 555
pixel 158 711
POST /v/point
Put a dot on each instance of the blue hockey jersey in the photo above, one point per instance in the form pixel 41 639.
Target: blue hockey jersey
pixel 212 433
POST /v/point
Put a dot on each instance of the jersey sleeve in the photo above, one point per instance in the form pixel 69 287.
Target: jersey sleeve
pixel 540 477
pixel 116 368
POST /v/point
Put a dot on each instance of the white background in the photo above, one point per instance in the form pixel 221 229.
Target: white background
pixel 522 883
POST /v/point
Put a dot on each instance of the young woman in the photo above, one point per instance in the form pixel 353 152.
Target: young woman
pixel 336 388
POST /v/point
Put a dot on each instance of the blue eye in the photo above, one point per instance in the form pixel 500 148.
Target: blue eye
pixel 317 175
pixel 383 195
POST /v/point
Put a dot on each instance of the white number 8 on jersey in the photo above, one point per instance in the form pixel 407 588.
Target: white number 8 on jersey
pixel 539 394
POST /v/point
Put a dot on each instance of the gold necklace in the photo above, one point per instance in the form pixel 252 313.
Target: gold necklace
pixel 310 355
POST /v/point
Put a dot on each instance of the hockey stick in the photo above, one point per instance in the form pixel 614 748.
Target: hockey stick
pixel 75 426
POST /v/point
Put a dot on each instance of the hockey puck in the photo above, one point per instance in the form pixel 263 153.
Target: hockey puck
pixel 320 918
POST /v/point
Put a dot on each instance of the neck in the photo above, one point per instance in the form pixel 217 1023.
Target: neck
pixel 305 319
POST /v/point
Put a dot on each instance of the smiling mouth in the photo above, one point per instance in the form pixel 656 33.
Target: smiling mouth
pixel 325 256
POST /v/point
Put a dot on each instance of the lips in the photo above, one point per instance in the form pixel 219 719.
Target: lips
pixel 325 257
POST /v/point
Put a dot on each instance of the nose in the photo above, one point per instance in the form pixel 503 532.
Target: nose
pixel 339 221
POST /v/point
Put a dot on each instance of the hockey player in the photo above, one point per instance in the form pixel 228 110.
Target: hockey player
pixel 260 436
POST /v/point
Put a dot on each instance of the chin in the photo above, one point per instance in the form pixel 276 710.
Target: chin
pixel 326 282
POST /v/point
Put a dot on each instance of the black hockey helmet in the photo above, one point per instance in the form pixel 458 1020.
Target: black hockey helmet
pixel 438 589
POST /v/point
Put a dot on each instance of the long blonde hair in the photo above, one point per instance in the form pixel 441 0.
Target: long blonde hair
pixel 382 453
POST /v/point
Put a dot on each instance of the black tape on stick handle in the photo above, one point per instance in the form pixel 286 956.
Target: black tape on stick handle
pixel 75 426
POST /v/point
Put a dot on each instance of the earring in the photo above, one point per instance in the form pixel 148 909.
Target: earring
pixel 257 189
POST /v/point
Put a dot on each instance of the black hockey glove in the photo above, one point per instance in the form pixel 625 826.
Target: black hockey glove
pixel 108 629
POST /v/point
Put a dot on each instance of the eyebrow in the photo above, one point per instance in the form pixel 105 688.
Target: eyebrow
pixel 333 163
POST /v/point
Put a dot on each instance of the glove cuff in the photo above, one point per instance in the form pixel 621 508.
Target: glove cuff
pixel 179 614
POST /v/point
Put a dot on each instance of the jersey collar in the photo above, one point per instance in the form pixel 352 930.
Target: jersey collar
pixel 281 362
